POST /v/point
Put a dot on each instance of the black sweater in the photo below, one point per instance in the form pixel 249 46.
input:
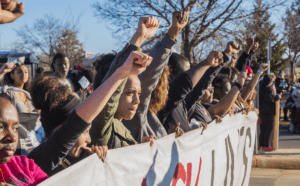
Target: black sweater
pixel 49 154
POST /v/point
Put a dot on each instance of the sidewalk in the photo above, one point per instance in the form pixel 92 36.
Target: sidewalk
pixel 280 159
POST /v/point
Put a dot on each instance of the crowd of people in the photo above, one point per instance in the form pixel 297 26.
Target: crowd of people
pixel 125 99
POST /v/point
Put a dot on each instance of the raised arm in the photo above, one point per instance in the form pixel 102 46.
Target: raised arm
pixel 251 85
pixel 10 11
pixel 161 53
pixel 225 103
pixel 242 61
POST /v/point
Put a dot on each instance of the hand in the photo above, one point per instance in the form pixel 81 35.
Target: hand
pixel 250 43
pixel 148 139
pixel 263 67
pixel 136 63
pixel 241 78
pixel 101 151
pixel 177 129
pixel 204 126
pixel 217 118
pixel 255 46
pixel 280 95
pixel 147 27
pixel 245 111
pixel 10 10
pixel 232 48
pixel 179 21
pixel 6 68
pixel 214 59
pixel 256 111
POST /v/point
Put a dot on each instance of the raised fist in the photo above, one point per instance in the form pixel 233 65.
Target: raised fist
pixel 136 63
pixel 233 47
pixel 10 10
pixel 147 26
pixel 263 67
pixel 214 59
pixel 180 19
pixel 255 46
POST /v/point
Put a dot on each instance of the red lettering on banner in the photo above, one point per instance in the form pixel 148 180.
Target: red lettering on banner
pixel 144 183
pixel 179 174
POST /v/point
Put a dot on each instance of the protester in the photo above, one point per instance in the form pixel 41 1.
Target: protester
pixel 102 67
pixel 267 106
pixel 15 170
pixel 61 65
pixel 146 122
pixel 108 128
pixel 67 121
pixel 293 103
pixel 294 84
pixel 10 10
pixel 282 86
pixel 39 71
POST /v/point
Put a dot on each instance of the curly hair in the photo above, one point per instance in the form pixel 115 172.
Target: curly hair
pixel 48 93
pixel 9 81
pixel 219 81
pixel 159 95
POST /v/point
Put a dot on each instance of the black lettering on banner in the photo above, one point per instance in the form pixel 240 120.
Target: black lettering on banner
pixel 213 168
pixel 229 148
pixel 245 159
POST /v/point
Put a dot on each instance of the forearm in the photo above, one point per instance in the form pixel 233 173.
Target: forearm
pixel 137 40
pixel 225 103
pixel 242 62
pixel 173 32
pixel 94 104
pixel 197 72
pixel 251 85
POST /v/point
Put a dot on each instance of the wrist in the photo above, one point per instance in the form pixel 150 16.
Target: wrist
pixel 260 72
pixel 137 40
pixel 122 73
pixel 227 53
pixel 238 85
pixel 247 49
pixel 173 32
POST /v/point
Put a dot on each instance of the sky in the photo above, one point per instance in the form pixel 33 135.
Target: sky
pixel 94 34
pixel 96 37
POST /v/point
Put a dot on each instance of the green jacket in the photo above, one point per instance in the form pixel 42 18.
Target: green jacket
pixel 106 129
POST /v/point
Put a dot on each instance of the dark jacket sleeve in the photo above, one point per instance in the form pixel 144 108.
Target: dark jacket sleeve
pixel 289 102
pixel 250 58
pixel 242 62
pixel 48 154
pixel 178 90
pixel 197 93
pixel 270 95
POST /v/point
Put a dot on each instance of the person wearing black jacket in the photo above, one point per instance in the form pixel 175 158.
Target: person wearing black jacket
pixel 267 111
pixel 282 85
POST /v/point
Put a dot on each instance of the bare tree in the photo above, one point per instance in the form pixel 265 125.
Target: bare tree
pixel 70 45
pixel 208 18
pixel 47 36
pixel 292 34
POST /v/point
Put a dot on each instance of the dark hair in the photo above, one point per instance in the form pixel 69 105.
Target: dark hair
pixel 102 68
pixel 48 93
pixel 219 81
pixel 9 81
pixel 105 60
pixel 58 55
pixel 235 71
pixel 226 71
pixel 176 62
pixel 39 71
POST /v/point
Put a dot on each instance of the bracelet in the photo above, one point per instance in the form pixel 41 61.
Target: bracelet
pixel 238 85
pixel 260 72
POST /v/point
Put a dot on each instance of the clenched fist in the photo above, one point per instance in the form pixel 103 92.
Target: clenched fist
pixel 10 10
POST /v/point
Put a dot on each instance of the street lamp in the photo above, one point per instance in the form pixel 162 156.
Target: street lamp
pixel 0 37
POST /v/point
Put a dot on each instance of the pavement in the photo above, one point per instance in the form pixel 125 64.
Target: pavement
pixel 274 177
pixel 286 157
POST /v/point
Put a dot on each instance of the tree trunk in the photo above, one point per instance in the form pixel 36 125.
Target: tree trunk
pixel 186 48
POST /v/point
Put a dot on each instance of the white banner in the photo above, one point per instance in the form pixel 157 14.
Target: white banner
pixel 221 156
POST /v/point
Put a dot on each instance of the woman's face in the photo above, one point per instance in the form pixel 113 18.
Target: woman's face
pixel 9 125
pixel 130 99
pixel 61 67
pixel 20 75
pixel 81 144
